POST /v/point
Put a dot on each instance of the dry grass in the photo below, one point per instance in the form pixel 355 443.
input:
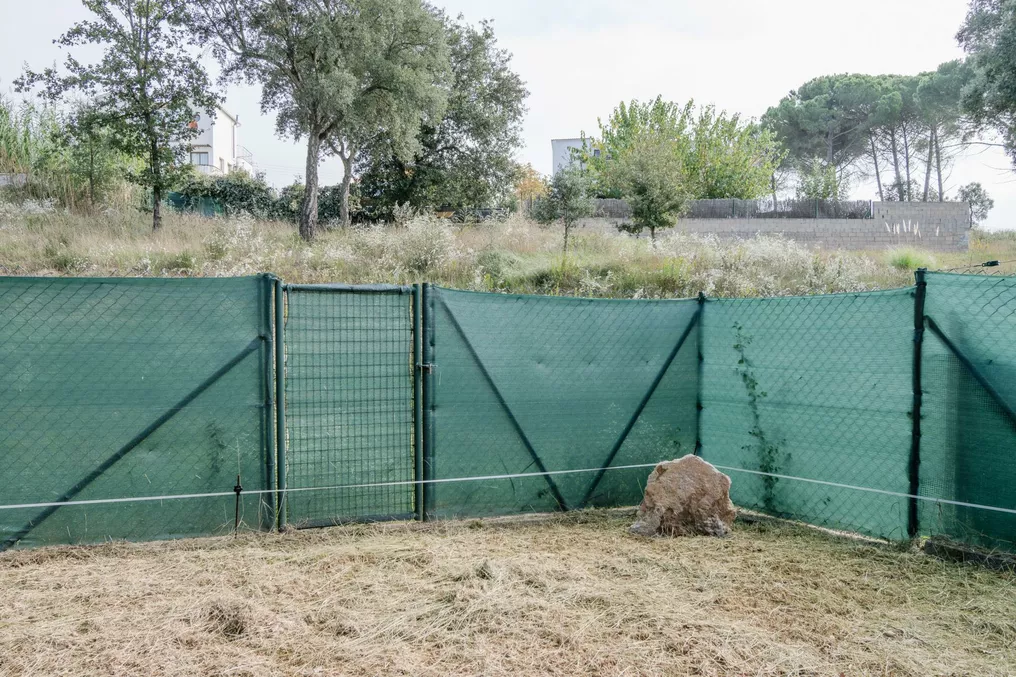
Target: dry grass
pixel 569 595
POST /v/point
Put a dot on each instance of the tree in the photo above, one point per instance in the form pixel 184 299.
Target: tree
pixel 721 156
pixel 530 185
pixel 988 35
pixel 145 89
pixel 729 158
pixel 651 176
pixel 465 160
pixel 568 201
pixel 817 181
pixel 826 118
pixel 92 154
pixel 339 72
pixel 978 199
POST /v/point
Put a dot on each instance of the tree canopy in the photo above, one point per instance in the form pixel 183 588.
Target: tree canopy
pixel 720 155
pixel 339 73
pixel 988 36
pixel 144 90
pixel 466 158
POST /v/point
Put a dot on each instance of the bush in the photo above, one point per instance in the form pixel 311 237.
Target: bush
pixel 907 258
pixel 235 193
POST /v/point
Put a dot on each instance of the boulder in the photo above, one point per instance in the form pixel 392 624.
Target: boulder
pixel 685 497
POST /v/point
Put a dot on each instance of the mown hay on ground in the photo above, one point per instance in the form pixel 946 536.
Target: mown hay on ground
pixel 568 595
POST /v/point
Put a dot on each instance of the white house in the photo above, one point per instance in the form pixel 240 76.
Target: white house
pixel 562 152
pixel 217 150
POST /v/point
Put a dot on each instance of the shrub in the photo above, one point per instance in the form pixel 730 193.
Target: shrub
pixel 907 258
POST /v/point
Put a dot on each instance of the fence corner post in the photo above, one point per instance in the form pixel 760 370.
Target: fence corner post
pixel 920 292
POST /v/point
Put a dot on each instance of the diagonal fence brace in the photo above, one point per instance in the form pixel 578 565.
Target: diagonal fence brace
pixel 973 371
pixel 642 405
pixel 132 444
pixel 504 405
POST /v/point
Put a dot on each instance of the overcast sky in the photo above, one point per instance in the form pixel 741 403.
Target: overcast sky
pixel 581 58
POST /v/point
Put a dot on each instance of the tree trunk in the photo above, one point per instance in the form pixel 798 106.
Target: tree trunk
pixel 874 157
pixel 347 180
pixel 896 164
pixel 567 227
pixel 156 207
pixel 773 181
pixel 156 189
pixel 938 166
pixel 309 208
pixel 906 160
pixel 927 168
pixel 652 234
pixel 91 177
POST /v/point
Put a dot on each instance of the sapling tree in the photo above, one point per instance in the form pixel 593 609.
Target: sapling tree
pixel 568 201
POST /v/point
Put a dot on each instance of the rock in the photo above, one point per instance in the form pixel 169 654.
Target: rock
pixel 685 497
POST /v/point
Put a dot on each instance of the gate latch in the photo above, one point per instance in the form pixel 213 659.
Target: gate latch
pixel 425 366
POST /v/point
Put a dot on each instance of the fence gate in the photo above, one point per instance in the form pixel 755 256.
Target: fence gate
pixel 349 404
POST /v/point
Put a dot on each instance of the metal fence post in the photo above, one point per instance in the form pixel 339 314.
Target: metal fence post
pixel 418 491
pixel 698 386
pixel 280 400
pixel 427 373
pixel 920 292
pixel 267 423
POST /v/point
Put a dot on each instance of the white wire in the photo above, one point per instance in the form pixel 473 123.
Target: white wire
pixel 485 478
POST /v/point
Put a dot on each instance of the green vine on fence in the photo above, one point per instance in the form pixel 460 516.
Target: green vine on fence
pixel 768 450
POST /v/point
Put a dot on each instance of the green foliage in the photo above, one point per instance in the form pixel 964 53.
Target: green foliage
pixel 988 35
pixel 770 459
pixel 569 200
pixel 909 259
pixel 721 156
pixel 817 181
pixel 237 193
pixel 91 152
pixel 144 90
pixel 465 160
pixel 870 125
pixel 650 174
pixel 979 200
pixel 339 74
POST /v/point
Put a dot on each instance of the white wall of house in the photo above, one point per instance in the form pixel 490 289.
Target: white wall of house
pixel 217 149
pixel 562 152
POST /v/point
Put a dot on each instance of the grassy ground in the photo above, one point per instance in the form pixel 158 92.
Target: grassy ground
pixel 569 595
pixel 516 256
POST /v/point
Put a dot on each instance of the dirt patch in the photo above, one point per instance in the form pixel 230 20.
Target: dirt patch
pixel 570 595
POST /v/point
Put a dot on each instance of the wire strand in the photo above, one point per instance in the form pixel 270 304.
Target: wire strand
pixel 487 478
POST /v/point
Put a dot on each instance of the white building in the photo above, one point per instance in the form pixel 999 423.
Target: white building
pixel 217 150
pixel 562 152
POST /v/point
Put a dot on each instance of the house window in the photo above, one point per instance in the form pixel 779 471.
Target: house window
pixel 199 158
pixel 596 152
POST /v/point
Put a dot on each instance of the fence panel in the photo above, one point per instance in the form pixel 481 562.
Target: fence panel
pixel 349 403
pixel 817 388
pixel 525 384
pixel 128 389
pixel 968 449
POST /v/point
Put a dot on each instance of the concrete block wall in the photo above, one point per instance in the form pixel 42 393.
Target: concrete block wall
pixel 938 226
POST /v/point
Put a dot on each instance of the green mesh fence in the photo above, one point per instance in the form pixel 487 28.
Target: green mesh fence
pixel 349 404
pixel 128 390
pixel 817 388
pixel 131 388
pixel 527 384
pixel 968 446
